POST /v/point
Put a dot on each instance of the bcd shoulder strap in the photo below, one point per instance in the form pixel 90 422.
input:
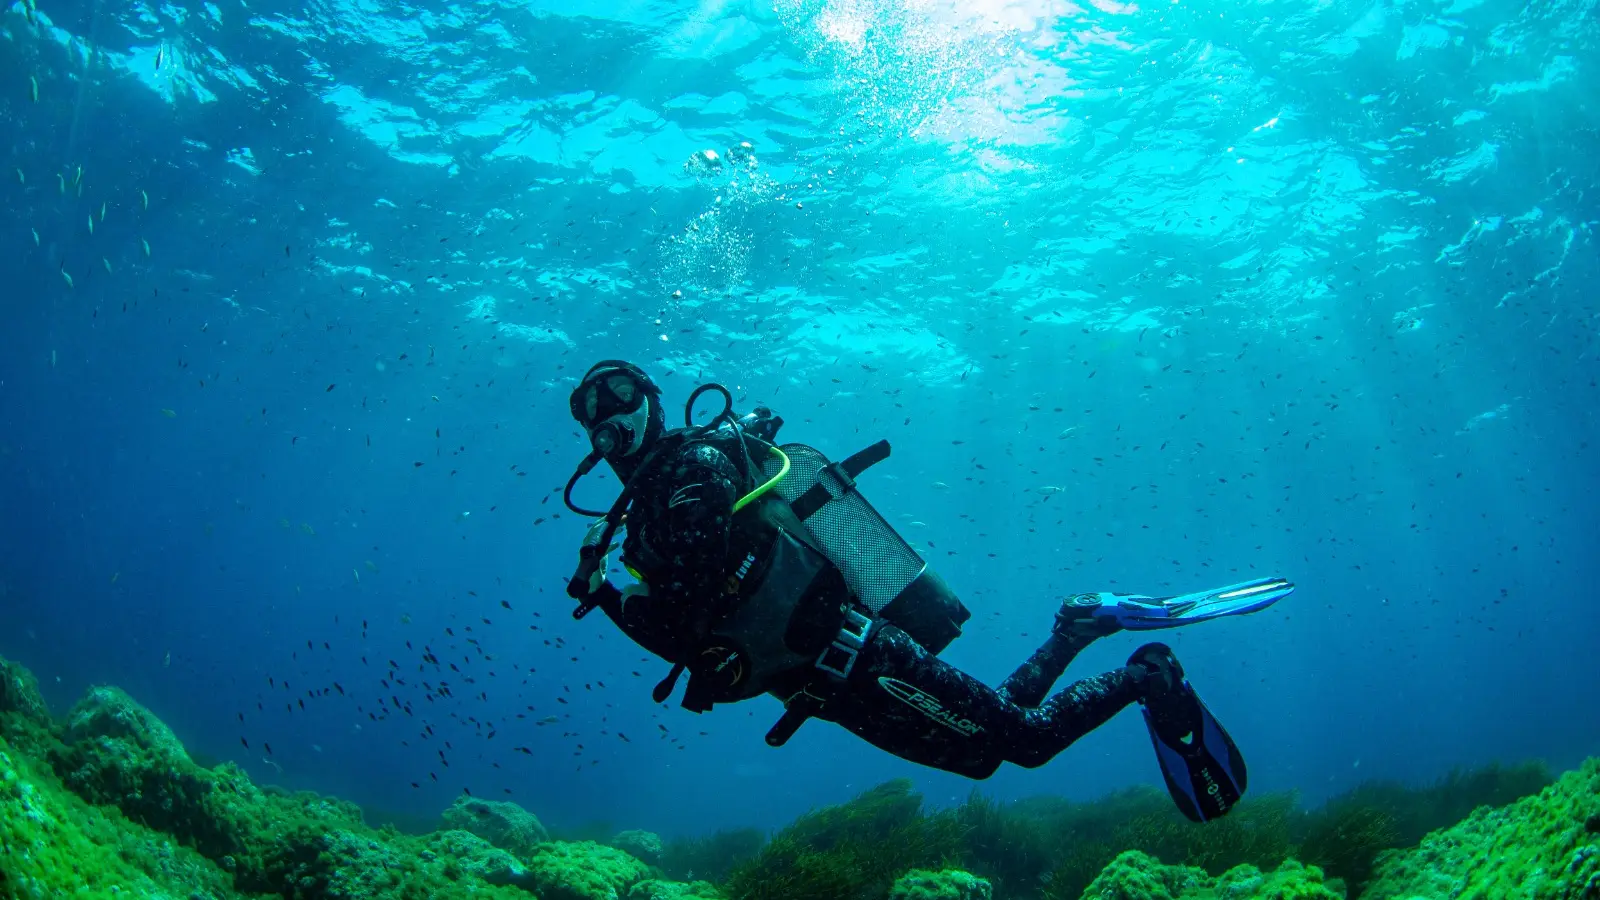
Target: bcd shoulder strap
pixel 845 472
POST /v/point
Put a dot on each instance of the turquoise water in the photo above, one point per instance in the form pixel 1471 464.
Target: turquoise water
pixel 1146 297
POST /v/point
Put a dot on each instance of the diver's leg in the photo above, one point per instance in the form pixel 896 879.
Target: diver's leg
pixel 1071 713
pixel 1075 628
pixel 903 699
pixel 1034 678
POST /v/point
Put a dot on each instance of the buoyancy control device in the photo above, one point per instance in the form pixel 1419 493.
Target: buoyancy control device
pixel 812 568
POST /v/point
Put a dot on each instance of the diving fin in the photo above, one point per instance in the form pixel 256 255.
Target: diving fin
pixel 1135 612
pixel 1203 768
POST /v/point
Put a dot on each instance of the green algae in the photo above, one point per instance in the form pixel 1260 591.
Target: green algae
pixel 1139 876
pixel 1544 847
pixel 107 803
pixel 505 825
pixel 655 889
pixel 945 884
pixel 55 845
pixel 583 870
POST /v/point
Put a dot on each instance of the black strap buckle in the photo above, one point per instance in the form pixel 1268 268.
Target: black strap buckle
pixel 847 482
pixel 839 658
pixel 796 710
pixel 844 472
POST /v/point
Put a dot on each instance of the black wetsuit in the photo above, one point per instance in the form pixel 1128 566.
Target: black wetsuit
pixel 898 697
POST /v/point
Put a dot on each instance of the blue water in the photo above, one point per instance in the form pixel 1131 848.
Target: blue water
pixel 1268 288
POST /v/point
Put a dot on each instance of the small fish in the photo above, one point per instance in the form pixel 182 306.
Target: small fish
pixel 91 223
pixel 166 663
pixel 21 178
pixel 107 262
pixel 357 574
pixel 52 359
pixel 35 236
pixel 306 527
pixel 146 246
pixel 78 177
pixel 34 81
pixel 161 54
pixel 115 576
pixel 102 212
pixel 62 181
pixel 145 198
pixel 169 413
pixel 65 277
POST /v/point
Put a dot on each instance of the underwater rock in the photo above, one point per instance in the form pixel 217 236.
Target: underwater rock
pixel 1138 876
pixel 654 889
pixel 54 845
pixel 24 718
pixel 1538 847
pixel 19 695
pixel 1290 881
pixel 107 712
pixel 583 870
pixel 641 845
pixel 946 884
pixel 503 824
pixel 348 866
pixel 482 859
pixel 115 752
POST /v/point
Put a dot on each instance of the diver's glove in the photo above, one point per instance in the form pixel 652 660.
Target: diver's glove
pixel 592 557
pixel 630 592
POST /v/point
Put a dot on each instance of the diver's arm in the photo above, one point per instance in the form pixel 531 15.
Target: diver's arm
pixel 699 518
pixel 693 535
pixel 646 620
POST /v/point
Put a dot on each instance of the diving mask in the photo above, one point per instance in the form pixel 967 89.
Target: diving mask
pixel 613 406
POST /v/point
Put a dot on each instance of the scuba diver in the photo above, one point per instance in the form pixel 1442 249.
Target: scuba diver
pixel 761 569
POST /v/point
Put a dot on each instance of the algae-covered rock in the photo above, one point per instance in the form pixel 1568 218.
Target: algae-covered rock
pixel 118 753
pixel 945 884
pixel 19 694
pixel 656 889
pixel 503 824
pixel 1138 876
pixel 481 859
pixel 54 845
pixel 583 870
pixel 1544 847
pixel 24 719
pixel 359 864
pixel 641 845
pixel 1290 881
pixel 108 712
